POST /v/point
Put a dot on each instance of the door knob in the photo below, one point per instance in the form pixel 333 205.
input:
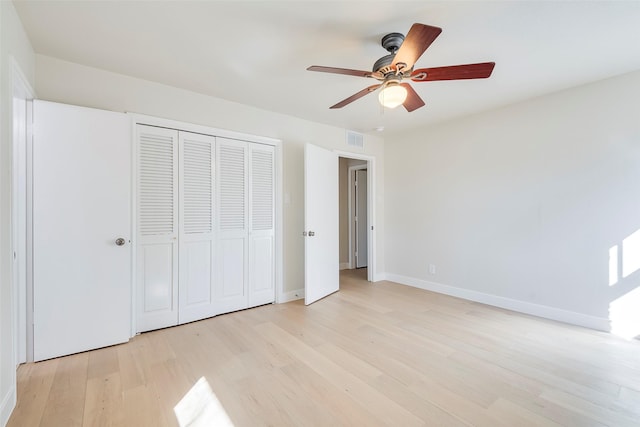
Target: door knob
pixel 312 233
pixel 120 241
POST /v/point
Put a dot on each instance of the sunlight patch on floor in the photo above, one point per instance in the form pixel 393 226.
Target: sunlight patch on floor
pixel 201 408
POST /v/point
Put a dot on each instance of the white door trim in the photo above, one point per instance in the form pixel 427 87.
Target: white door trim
pixel 352 200
pixel 20 217
pixel 372 268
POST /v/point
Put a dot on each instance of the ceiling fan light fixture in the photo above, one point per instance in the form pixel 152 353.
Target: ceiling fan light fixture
pixel 392 95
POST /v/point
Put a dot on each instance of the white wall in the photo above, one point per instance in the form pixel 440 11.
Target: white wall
pixel 519 207
pixel 14 43
pixel 71 83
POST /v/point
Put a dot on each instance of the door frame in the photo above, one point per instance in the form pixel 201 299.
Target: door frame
pixel 352 199
pixel 372 268
pixel 22 287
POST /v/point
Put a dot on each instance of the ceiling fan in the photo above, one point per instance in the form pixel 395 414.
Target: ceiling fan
pixel 392 69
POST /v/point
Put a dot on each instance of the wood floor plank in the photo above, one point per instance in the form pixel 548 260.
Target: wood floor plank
pixel 65 406
pixel 369 355
pixel 516 415
pixel 142 407
pixel 130 365
pixel 330 397
pixel 591 410
pixel 382 407
pixel 103 405
pixel 34 382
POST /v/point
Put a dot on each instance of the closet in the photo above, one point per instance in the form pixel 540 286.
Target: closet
pixel 137 226
pixel 205 225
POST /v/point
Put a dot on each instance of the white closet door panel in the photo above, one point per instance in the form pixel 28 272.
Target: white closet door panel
pixel 231 283
pixel 157 273
pixel 196 281
pixel 196 182
pixel 198 274
pixel 232 184
pixel 232 201
pixel 232 268
pixel 261 234
pixel 157 245
pixel 262 187
pixel 81 205
pixel 197 246
pixel 156 281
pixel 156 182
pixel 261 267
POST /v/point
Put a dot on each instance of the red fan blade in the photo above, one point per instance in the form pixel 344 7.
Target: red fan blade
pixel 413 101
pixel 353 97
pixel 334 70
pixel 418 39
pixel 454 72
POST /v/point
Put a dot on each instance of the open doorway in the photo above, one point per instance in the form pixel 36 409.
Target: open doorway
pixel 353 214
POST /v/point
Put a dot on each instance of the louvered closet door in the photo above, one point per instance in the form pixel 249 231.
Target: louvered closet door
pixel 261 222
pixel 157 245
pixel 231 192
pixel 197 244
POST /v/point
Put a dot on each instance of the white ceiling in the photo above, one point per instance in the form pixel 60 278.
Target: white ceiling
pixel 256 53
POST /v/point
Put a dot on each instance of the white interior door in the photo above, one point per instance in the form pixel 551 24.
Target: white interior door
pixel 361 218
pixel 81 205
pixel 157 242
pixel 321 255
pixel 196 243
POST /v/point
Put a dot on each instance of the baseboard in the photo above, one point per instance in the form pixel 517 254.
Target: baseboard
pixel 345 266
pixel 380 277
pixel 544 311
pixel 291 296
pixel 7 405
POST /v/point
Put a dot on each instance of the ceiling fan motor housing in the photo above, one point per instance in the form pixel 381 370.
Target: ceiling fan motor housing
pixel 382 65
pixel 391 42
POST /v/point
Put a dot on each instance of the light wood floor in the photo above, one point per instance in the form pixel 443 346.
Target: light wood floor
pixel 371 354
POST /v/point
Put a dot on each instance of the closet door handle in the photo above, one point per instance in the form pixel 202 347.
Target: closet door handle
pixel 120 241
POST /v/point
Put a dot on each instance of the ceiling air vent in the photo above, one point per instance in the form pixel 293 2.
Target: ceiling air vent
pixel 355 139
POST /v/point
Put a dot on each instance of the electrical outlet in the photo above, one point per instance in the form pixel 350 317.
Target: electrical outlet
pixel 432 269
